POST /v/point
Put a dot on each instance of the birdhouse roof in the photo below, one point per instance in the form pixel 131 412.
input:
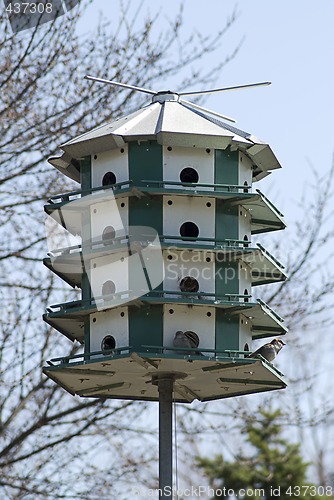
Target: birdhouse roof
pixel 169 122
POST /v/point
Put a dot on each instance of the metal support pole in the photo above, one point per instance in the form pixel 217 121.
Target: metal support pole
pixel 165 388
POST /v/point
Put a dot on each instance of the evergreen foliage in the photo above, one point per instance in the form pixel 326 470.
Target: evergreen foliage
pixel 275 468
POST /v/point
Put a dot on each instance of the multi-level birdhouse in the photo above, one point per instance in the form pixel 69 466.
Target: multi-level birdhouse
pixel 168 268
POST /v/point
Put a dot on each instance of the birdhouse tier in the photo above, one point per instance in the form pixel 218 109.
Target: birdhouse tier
pixel 241 321
pixel 262 215
pixel 217 262
pixel 159 242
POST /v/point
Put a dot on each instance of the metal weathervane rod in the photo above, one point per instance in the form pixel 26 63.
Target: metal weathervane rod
pixel 117 84
pixel 225 89
pixel 180 94
pixel 153 92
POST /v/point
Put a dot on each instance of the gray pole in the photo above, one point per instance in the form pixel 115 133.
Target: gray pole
pixel 165 388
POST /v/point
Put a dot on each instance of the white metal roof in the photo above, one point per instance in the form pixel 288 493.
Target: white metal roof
pixel 169 122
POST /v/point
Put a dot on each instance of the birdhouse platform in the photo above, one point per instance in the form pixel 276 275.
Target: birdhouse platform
pixel 127 375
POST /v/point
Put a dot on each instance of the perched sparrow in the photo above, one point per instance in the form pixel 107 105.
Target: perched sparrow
pixel 186 339
pixel 269 351
pixel 189 284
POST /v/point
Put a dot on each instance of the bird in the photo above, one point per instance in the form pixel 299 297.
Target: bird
pixel 268 351
pixel 107 344
pixel 189 284
pixel 186 339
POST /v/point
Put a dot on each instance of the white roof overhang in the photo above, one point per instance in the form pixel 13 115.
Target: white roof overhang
pixel 172 123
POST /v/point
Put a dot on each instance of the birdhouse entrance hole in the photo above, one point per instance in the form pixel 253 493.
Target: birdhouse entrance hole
pixel 189 230
pixel 189 174
pixel 109 178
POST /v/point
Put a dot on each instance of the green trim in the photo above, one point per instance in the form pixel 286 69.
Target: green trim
pixel 268 335
pixel 145 161
pixel 264 328
pixel 274 208
pixel 146 211
pixel 227 221
pixel 226 166
pixel 226 359
pixel 145 326
pixel 127 188
pixel 86 294
pixel 61 199
pixel 228 300
pixel 264 222
pixel 64 360
pixel 163 187
pixel 226 278
pixel 86 173
pixel 87 334
pixel 227 331
pixel 86 184
pixel 219 361
pixel 230 247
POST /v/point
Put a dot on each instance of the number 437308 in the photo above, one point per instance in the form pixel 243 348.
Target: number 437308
pixel 28 8
pixel 312 491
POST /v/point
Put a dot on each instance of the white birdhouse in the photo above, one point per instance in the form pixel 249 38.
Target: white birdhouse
pixel 166 213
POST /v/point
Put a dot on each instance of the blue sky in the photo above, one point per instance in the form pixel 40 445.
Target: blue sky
pixel 289 43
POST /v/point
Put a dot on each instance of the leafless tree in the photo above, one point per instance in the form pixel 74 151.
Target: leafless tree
pixel 306 302
pixel 54 445
pixel 51 444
